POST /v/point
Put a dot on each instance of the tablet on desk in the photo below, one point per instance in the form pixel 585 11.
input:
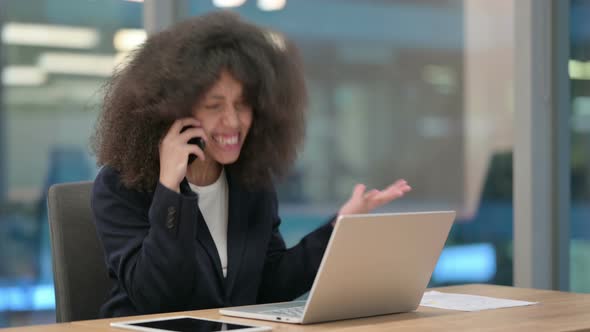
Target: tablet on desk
pixel 187 324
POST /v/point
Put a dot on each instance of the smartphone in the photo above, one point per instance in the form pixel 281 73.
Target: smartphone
pixel 195 140
pixel 187 324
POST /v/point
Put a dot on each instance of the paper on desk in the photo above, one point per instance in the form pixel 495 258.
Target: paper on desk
pixel 465 302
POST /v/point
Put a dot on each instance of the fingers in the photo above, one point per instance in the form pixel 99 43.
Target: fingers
pixel 376 198
pixel 400 181
pixel 196 150
pixel 401 184
pixel 358 191
pixel 397 189
pixel 384 197
pixel 400 187
pixel 371 194
pixel 363 202
pixel 181 123
pixel 193 132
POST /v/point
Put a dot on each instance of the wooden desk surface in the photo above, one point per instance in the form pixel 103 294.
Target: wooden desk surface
pixel 557 311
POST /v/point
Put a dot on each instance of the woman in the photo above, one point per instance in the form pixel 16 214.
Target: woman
pixel 182 235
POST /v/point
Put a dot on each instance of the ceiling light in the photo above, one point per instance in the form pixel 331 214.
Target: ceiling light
pixel 23 76
pixel 228 3
pixel 128 39
pixel 270 5
pixel 49 35
pixel 77 64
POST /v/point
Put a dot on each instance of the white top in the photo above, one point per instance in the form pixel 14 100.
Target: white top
pixel 213 203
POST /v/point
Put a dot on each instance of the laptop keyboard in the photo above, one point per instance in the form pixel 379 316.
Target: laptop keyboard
pixel 287 312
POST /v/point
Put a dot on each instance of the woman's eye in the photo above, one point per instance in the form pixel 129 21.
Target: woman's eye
pixel 213 107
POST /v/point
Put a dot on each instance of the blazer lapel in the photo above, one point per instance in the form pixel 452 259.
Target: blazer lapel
pixel 237 230
pixel 204 236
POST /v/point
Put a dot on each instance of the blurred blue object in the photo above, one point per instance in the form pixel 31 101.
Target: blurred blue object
pixel 43 297
pixel 295 226
pixel 466 263
pixel 66 164
pixel 26 298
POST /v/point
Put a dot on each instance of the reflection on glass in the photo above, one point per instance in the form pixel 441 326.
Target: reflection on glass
pixel 56 56
pixel 579 72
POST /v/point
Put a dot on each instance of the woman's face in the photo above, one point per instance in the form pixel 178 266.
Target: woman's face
pixel 225 117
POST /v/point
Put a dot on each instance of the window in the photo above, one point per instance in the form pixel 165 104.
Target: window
pixel 56 56
pixel 579 71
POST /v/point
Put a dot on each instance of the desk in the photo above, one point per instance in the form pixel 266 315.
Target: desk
pixel 557 311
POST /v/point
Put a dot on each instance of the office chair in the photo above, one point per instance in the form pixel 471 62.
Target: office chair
pixel 79 270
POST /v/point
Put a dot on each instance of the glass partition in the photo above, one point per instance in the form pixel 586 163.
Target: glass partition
pixel 579 71
pixel 56 56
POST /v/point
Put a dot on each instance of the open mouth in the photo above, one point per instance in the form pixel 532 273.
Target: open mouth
pixel 227 142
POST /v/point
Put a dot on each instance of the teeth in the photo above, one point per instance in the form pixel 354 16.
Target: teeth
pixel 226 140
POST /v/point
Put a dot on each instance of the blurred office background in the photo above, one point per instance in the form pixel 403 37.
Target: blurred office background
pixel 422 90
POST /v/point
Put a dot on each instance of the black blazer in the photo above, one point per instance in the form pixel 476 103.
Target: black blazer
pixel 162 258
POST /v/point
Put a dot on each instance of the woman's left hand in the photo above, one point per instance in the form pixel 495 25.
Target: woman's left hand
pixel 364 202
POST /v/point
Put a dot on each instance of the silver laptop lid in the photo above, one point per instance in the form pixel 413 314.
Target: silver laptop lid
pixel 377 264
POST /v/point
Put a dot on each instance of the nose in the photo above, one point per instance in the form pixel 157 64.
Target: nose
pixel 231 118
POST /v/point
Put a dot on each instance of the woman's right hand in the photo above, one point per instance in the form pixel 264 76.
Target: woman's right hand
pixel 174 151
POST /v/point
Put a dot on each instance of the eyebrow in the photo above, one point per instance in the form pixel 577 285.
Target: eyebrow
pixel 216 97
pixel 221 97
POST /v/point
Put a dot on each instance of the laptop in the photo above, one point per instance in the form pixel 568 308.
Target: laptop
pixel 374 264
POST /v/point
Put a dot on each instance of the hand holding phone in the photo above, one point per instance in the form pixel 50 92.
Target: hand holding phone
pixel 195 140
pixel 175 153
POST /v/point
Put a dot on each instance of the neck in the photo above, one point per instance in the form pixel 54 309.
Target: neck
pixel 203 173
